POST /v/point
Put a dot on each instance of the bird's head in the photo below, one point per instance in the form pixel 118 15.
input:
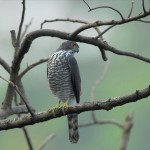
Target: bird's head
pixel 69 45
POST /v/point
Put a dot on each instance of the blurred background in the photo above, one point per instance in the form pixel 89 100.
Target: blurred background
pixel 124 74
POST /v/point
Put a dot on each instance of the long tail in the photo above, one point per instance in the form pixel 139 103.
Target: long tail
pixel 73 128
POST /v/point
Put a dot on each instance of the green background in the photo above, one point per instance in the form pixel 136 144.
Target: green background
pixel 124 74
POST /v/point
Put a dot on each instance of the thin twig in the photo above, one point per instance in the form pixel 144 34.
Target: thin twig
pixel 87 4
pixel 126 132
pixel 132 4
pixel 102 122
pixel 98 81
pixel 26 134
pixel 91 9
pixel 140 20
pixel 25 131
pixel 21 22
pixel 20 94
pixel 25 30
pixel 46 141
pixel 93 89
pixel 143 5
pixel 105 31
pixel 32 66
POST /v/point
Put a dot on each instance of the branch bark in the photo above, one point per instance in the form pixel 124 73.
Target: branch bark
pixel 59 112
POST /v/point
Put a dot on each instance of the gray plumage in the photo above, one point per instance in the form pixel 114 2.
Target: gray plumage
pixel 64 81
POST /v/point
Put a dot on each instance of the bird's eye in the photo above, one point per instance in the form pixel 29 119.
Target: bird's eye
pixel 74 44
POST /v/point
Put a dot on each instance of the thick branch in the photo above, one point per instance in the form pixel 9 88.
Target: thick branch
pixel 59 112
pixel 83 22
pixel 63 35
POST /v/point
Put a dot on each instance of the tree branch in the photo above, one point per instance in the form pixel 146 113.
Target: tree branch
pixel 21 109
pixel 5 65
pixel 83 22
pixel 32 66
pixel 25 30
pixel 21 22
pixel 45 142
pixel 59 112
pixel 126 132
pixel 20 94
pixel 25 131
pixel 143 5
pixel 132 4
pixel 91 9
pixel 101 23
pixel 27 138
pixel 102 122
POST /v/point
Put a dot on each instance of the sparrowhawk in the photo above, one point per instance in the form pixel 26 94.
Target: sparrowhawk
pixel 65 82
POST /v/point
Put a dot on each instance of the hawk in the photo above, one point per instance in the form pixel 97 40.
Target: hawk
pixel 65 82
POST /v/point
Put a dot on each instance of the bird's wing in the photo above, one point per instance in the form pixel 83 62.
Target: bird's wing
pixel 75 77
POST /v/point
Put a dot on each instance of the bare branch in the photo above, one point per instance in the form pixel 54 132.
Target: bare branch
pixel 100 23
pixel 84 22
pixel 109 8
pixel 21 22
pixel 4 64
pixel 91 9
pixel 132 4
pixel 95 105
pixel 143 5
pixel 102 122
pixel 32 66
pixel 27 138
pixel 21 109
pixel 26 28
pixel 63 35
pixel 13 38
pixel 99 80
pixel 25 131
pixel 20 94
pixel 126 132
pixel 46 141
pixel 105 31
pixel 87 4
pixel 140 20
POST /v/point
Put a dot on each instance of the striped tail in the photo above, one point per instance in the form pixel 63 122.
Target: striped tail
pixel 73 128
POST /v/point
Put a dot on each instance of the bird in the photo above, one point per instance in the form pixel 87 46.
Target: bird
pixel 65 82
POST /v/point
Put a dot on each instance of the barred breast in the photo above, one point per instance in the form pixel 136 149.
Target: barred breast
pixel 59 77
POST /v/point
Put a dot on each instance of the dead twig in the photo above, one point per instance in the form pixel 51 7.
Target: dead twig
pixel 132 4
pixel 91 9
pixel 126 132
pixel 32 66
pixel 46 141
pixel 21 22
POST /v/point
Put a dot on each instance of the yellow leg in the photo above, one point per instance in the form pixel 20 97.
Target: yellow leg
pixel 64 106
pixel 58 105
